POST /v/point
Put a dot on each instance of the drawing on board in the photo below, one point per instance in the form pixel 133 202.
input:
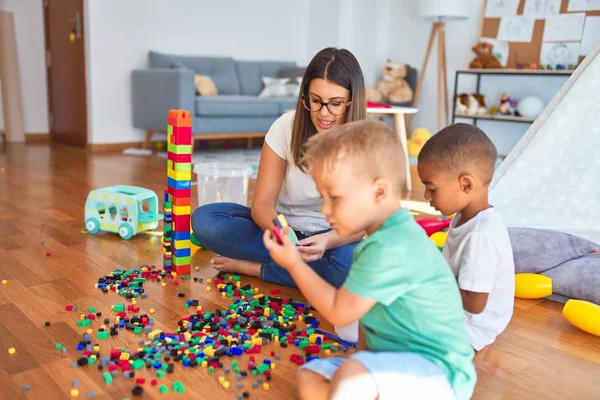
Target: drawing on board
pixel 501 8
pixel 516 29
pixel 583 5
pixel 563 27
pixel 560 54
pixel 540 9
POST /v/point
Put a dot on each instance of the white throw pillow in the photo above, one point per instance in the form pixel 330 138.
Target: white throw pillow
pixel 279 87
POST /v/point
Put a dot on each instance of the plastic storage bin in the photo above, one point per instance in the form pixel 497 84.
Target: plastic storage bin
pixel 222 182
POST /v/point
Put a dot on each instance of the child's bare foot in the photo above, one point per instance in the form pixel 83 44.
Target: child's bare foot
pixel 227 264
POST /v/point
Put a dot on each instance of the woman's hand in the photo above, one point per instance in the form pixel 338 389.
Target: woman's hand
pixel 312 248
pixel 286 254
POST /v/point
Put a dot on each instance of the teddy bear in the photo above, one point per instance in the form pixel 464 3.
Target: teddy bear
pixel 470 104
pixel 392 87
pixel 485 58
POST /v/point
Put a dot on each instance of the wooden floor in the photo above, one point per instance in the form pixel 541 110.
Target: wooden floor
pixel 42 195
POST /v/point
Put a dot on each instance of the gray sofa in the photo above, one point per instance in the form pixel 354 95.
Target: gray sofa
pixel 236 112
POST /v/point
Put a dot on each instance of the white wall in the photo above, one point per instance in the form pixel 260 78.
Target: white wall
pixel 120 34
pixel 29 23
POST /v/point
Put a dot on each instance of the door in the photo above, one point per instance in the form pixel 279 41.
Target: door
pixel 65 62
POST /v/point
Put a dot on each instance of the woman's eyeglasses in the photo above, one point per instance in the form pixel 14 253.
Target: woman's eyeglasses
pixel 313 104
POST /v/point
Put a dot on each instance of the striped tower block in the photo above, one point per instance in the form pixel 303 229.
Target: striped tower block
pixel 167 231
pixel 179 181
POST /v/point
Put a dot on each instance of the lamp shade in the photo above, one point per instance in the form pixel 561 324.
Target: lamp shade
pixel 444 9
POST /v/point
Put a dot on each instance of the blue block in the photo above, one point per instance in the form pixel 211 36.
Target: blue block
pixel 311 358
pixel 181 235
pixel 237 351
pixel 182 253
pixel 179 184
pixel 186 363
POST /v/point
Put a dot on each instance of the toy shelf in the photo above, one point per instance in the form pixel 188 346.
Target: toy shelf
pixel 513 71
pixel 511 118
pixel 491 72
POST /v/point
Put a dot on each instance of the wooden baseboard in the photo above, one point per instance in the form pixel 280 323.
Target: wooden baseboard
pixel 112 147
pixel 37 138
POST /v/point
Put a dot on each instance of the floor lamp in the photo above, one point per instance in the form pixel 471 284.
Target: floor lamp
pixel 439 11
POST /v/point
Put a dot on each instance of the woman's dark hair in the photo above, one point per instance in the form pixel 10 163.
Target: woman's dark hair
pixel 338 66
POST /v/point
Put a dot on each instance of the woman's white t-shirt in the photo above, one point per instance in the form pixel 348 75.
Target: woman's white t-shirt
pixel 299 201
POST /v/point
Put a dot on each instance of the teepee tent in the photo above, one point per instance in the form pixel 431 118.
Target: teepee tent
pixel 551 178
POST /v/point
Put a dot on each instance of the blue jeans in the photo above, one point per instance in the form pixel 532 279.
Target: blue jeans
pixel 229 230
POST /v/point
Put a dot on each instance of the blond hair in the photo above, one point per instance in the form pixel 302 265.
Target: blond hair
pixel 369 148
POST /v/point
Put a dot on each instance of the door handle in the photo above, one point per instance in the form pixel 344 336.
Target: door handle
pixel 77 22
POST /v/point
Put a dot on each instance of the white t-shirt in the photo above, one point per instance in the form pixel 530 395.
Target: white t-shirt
pixel 299 201
pixel 480 255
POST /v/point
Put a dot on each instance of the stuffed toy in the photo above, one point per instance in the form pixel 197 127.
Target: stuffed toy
pixel 417 140
pixel 507 106
pixel 392 87
pixel 485 58
pixel 470 104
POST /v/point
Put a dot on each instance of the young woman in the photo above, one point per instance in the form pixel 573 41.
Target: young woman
pixel 332 93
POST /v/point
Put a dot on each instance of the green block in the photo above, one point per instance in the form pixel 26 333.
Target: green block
pixel 179 148
pixel 160 374
pixel 84 322
pixel 58 346
pixel 137 330
pixel 92 309
pixel 137 364
pixel 92 361
pixel 118 307
pixel 181 260
pixel 236 278
pixel 102 335
pixel 163 389
pixel 107 378
pixel 211 370
pixel 262 368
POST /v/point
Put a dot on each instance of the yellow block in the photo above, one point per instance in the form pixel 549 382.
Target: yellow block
pixel 124 356
pixel 179 175
pixel 154 333
pixel 584 315
pixel 532 286
pixel 182 244
pixel 210 351
pixel 187 336
pixel 182 210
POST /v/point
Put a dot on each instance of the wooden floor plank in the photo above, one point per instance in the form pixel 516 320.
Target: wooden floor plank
pixel 42 195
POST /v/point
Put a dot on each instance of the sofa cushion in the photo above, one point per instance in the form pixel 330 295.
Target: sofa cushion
pixel 250 74
pixel 221 70
pixel 291 72
pixel 237 106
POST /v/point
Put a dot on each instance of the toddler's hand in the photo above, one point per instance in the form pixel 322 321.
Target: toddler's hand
pixel 286 254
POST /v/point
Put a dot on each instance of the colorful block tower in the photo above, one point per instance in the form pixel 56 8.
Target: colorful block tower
pixel 178 195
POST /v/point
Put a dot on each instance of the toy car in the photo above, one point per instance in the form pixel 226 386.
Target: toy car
pixel 122 209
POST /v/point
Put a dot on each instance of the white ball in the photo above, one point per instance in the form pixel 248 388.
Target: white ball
pixel 530 106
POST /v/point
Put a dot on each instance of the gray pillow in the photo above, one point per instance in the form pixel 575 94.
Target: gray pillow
pixel 538 250
pixel 578 278
pixel 291 72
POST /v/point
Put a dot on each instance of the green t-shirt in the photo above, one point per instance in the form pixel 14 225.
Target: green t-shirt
pixel 419 308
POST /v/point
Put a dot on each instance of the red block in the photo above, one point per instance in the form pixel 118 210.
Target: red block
pixel 314 349
pixel 182 269
pixel 115 353
pixel 91 316
pixel 69 308
pixel 140 381
pixel 182 135
pixel 180 192
pixel 275 291
pixel 182 222
pixel 187 158
pixel 112 367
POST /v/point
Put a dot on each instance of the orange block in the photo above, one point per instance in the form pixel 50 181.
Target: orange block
pixel 179 118
pixel 182 201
